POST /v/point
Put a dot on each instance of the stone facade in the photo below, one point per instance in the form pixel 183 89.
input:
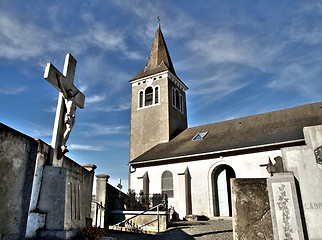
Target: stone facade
pixel 169 119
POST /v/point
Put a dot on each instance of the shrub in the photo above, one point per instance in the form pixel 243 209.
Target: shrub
pixel 92 233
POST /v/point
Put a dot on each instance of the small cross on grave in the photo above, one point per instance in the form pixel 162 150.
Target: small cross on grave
pixel 274 168
pixel 69 98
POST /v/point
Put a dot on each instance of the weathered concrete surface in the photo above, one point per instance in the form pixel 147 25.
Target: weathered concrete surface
pixel 284 204
pixel 66 198
pixel 17 160
pixel 308 172
pixel 58 199
pixel 251 209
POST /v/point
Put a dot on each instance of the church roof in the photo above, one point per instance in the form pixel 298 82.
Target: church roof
pixel 258 131
pixel 159 59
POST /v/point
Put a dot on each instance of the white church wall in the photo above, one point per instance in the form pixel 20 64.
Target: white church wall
pixel 244 166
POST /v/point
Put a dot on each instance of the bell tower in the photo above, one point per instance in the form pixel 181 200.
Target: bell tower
pixel 158 110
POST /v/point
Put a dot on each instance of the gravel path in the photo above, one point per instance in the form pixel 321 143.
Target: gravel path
pixel 200 230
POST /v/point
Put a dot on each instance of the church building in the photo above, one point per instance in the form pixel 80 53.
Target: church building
pixel 193 166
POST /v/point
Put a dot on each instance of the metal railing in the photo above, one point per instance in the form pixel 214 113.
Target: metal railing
pixel 128 223
pixel 136 202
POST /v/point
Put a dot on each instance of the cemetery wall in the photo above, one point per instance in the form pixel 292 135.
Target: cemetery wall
pixel 18 154
pixel 57 199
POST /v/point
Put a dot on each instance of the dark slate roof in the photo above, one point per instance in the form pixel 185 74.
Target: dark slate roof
pixel 159 59
pixel 256 131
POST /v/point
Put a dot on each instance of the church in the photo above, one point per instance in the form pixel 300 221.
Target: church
pixel 193 166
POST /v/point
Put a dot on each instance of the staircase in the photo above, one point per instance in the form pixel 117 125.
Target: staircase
pixel 150 221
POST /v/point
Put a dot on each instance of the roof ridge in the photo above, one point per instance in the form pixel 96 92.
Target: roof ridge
pixel 257 115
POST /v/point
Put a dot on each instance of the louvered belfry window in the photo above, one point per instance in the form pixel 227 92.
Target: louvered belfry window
pixel 148 96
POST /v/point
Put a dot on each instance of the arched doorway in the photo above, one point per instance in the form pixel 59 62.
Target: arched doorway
pixel 221 190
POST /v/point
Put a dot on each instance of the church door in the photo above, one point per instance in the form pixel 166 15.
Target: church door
pixel 221 190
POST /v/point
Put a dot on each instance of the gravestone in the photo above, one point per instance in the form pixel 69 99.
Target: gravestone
pixel 251 209
pixel 286 217
pixel 69 98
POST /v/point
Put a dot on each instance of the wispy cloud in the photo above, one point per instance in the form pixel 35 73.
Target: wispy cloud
pixel 22 40
pixel 122 107
pixel 25 39
pixel 85 147
pixel 12 90
pixel 95 129
pixel 36 130
pixel 300 77
pixel 94 99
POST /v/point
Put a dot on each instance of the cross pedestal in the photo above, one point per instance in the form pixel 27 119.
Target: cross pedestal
pixel 64 83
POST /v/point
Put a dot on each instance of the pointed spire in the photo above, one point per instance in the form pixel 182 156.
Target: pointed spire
pixel 159 58
pixel 159 52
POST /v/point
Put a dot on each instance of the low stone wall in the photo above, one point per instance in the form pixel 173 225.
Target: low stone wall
pixel 116 216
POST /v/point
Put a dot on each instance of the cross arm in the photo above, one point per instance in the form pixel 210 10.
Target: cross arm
pixel 51 74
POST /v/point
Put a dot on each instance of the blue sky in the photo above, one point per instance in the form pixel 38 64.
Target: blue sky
pixel 238 58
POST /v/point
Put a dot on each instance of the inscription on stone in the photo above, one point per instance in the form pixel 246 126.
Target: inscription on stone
pixel 313 205
pixel 284 211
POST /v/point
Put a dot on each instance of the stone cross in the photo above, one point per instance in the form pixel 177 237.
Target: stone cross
pixel 69 97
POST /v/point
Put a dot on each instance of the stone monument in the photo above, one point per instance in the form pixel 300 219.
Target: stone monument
pixel 285 211
pixel 69 98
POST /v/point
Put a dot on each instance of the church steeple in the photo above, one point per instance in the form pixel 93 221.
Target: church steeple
pixel 159 58
pixel 158 111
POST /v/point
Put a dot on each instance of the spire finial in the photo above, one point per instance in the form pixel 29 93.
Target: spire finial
pixel 158 20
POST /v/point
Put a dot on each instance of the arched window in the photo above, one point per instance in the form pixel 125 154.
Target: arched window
pixel 167 183
pixel 148 96
pixel 156 95
pixel 141 99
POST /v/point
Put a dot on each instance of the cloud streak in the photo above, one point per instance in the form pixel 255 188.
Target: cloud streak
pixel 85 147
pixel 96 129
pixel 12 90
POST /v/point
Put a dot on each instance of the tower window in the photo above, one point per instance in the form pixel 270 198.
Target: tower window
pixel 148 96
pixel 167 183
pixel 156 97
pixel 177 99
pixel 141 99
pixel 177 96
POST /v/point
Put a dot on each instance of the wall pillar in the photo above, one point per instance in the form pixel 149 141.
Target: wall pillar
pixel 101 199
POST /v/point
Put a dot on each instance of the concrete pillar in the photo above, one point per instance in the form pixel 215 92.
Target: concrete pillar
pixel 184 192
pixel 101 199
pixel 89 167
